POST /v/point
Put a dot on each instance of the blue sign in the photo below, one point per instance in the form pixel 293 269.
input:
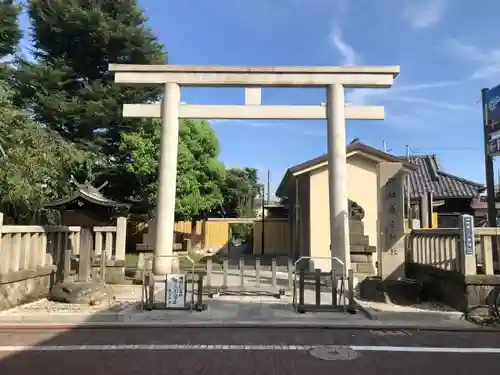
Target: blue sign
pixel 493 109
pixel 467 234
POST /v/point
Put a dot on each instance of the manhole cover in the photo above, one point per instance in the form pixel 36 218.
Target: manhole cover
pixel 334 353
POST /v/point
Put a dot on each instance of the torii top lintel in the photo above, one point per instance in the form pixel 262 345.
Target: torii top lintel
pixel 260 76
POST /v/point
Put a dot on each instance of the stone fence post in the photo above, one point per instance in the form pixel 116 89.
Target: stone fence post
pixel 121 237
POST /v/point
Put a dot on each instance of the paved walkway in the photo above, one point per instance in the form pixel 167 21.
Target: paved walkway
pixel 243 351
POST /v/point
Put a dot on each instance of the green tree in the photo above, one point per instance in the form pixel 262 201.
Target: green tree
pixel 10 33
pixel 240 188
pixel 69 87
pixel 70 90
pixel 35 163
pixel 200 173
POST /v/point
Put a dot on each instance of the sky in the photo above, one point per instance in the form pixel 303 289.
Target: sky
pixel 447 50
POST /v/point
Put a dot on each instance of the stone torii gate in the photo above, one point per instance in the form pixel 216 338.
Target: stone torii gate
pixel 333 79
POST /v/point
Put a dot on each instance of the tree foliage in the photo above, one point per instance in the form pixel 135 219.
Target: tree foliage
pixel 35 163
pixel 240 188
pixel 70 88
pixel 200 173
pixel 75 124
pixel 10 33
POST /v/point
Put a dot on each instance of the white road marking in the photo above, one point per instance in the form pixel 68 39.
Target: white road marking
pixel 424 349
pixel 222 347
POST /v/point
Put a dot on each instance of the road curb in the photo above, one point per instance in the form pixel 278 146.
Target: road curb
pixel 245 324
pixel 368 313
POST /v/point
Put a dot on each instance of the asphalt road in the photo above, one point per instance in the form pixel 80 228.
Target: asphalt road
pixel 245 351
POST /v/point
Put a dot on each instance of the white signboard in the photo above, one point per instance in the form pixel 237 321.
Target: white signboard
pixel 175 287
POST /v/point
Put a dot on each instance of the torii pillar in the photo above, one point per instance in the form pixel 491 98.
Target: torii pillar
pixel 337 175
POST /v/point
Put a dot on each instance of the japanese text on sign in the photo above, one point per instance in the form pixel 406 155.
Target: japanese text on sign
pixel 467 234
pixel 392 200
pixel 175 285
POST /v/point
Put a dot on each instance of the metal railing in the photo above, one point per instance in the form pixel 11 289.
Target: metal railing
pixel 247 283
pixel 339 299
pixel 148 292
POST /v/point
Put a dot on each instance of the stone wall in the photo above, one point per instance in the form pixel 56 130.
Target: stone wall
pixel 453 288
pixel 24 286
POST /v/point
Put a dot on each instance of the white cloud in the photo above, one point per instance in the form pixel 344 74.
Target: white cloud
pixel 487 62
pixel 424 13
pixel 345 50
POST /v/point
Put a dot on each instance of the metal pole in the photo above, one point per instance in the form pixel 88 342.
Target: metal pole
pixel 490 175
pixel 408 203
pixel 262 229
pixel 268 186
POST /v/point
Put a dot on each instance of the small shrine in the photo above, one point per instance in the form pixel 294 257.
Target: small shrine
pixel 88 207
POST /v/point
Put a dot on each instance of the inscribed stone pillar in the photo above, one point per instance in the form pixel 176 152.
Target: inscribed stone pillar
pixel 391 248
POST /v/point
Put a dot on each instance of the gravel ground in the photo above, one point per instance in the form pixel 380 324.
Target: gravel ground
pixel 125 296
pixel 46 306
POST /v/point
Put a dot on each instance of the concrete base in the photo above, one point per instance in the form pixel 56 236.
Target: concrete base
pixel 453 288
pixel 401 292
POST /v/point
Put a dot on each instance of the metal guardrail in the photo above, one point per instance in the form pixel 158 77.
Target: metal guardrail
pixel 148 286
pixel 343 303
pixel 244 284
pixel 245 287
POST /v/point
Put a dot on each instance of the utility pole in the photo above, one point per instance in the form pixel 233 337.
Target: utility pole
pixel 268 186
pixel 498 183
pixel 262 222
pixel 408 205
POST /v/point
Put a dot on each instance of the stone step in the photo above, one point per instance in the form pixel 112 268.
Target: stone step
pixel 356 227
pixel 363 267
pixel 362 249
pixel 362 258
pixel 359 239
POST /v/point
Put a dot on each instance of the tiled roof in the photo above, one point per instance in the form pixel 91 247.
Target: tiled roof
pixel 90 194
pixel 428 177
